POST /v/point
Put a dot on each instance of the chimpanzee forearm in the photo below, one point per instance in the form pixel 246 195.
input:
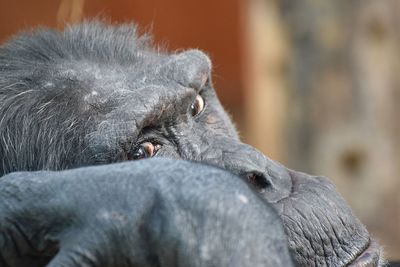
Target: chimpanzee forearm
pixel 155 212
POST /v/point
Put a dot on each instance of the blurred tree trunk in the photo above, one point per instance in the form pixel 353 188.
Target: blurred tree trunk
pixel 266 55
pixel 344 92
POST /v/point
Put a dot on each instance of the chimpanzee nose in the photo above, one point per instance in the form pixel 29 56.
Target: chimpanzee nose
pixel 271 179
pixel 259 180
pixel 274 183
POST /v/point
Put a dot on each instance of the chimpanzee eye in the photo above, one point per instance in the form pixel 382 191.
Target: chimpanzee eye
pixel 197 106
pixel 144 150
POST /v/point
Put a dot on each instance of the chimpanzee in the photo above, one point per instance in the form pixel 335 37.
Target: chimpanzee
pixel 82 112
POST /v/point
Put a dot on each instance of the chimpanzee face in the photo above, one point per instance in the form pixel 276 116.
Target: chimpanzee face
pixel 97 94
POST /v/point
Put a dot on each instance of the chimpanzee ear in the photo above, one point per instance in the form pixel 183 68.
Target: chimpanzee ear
pixel 191 68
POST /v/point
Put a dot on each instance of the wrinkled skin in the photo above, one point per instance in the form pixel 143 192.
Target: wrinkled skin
pixel 93 94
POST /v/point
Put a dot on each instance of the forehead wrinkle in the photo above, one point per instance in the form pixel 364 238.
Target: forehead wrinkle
pixel 155 103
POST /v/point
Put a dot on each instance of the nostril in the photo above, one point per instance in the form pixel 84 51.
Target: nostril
pixel 258 180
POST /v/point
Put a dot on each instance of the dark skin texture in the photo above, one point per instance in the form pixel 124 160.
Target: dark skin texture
pixel 97 94
pixel 168 213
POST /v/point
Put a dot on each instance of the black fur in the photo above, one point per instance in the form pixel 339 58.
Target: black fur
pixel 43 72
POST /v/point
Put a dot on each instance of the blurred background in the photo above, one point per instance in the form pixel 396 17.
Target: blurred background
pixel 313 84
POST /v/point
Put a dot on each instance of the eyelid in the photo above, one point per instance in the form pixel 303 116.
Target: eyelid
pixel 146 138
pixel 200 90
pixel 204 88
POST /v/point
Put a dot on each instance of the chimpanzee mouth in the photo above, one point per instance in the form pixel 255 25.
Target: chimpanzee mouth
pixel 370 257
pixel 317 219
